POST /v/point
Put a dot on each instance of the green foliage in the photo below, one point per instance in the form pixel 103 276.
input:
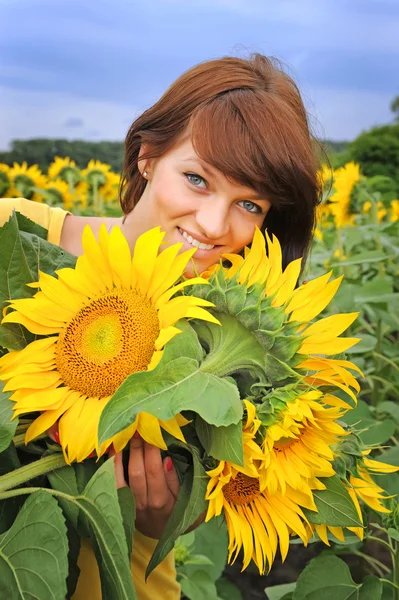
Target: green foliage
pixel 377 151
pixel 42 151
pixel 33 552
pixel 328 577
pixel 334 505
pixel 177 383
pixel 24 252
pixel 7 426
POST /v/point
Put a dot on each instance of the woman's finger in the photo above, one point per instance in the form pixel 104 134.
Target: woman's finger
pixel 118 468
pixel 158 493
pixel 136 470
pixel 172 479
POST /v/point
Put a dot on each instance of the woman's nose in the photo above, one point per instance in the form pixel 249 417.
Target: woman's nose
pixel 212 218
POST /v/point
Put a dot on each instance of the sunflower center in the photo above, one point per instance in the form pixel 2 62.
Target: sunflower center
pixel 110 338
pixel 241 490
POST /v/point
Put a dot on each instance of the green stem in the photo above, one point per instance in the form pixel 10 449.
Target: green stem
pixel 390 362
pixel 383 542
pixel 376 390
pixel 34 469
pixel 19 439
pixel 378 566
pixel 341 248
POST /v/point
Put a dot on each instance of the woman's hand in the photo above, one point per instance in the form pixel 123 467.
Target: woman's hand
pixel 154 484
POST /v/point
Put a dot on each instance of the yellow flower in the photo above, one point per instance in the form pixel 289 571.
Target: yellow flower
pixel 25 179
pixel 365 488
pixel 256 521
pixel 108 317
pixel 65 169
pixel 297 445
pixel 381 210
pixel 80 194
pixel 338 253
pixel 110 189
pixel 345 179
pixel 5 180
pixel 96 173
pixel 58 194
pixel 325 175
pixel 368 491
pixel 394 213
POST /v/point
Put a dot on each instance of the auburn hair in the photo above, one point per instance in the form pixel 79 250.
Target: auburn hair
pixel 247 119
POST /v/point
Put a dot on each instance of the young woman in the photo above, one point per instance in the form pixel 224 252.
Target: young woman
pixel 227 148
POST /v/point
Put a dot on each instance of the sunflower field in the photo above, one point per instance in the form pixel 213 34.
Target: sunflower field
pixel 347 434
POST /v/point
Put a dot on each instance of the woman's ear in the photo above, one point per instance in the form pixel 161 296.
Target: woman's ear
pixel 143 163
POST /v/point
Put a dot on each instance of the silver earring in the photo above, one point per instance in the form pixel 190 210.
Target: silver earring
pixel 145 174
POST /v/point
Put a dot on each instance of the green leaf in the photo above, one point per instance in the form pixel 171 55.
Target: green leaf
pixel 176 384
pixel 227 590
pixel 366 344
pixel 199 587
pixel 210 539
pixel 393 533
pixel 370 256
pixel 64 480
pixel 335 507
pixel 7 426
pixel 358 415
pixel 390 408
pixel 328 577
pixel 374 291
pixel 73 556
pixel 223 443
pixel 378 432
pixel 128 512
pixel 101 507
pixel 189 506
pixel 390 457
pixel 280 592
pixel 25 224
pixel 22 256
pixel 33 552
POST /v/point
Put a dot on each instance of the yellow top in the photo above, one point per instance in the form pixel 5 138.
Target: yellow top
pixel 162 583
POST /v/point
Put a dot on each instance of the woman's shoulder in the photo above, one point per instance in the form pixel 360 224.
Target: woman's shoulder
pixel 72 230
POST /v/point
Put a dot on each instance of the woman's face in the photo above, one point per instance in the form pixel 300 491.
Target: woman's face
pixel 196 205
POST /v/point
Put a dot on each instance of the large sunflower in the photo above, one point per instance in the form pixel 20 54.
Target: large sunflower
pixel 257 522
pixel 108 317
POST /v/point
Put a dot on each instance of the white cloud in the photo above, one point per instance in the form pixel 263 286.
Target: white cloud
pixel 28 114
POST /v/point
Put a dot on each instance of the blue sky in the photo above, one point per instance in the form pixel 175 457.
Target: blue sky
pixel 84 69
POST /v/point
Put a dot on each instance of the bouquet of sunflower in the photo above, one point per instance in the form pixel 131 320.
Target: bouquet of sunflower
pixel 229 373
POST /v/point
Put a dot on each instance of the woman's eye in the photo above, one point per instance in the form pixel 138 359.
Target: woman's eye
pixel 195 179
pixel 250 206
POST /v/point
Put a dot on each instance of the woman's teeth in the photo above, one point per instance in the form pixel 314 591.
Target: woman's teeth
pixel 195 242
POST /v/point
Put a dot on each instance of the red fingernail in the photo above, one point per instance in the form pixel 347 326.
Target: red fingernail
pixel 169 464
pixel 57 437
pixel 136 434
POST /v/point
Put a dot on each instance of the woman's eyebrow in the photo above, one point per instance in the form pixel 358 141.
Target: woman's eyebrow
pixel 201 164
